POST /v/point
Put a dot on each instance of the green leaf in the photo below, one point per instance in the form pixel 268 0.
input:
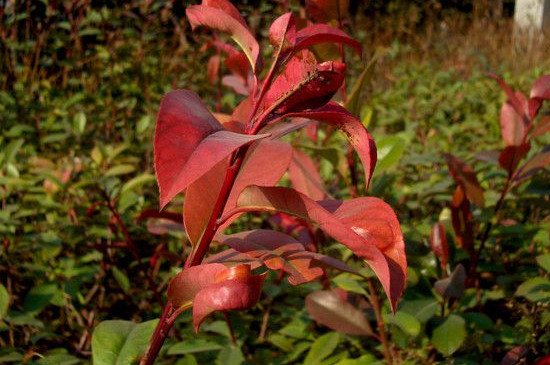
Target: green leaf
pixel 79 123
pixel 449 336
pixel 544 261
pixel 4 301
pixel 390 150
pixel 408 323
pixel 120 170
pixel 137 182
pixel 535 289
pixel 363 360
pixel 230 355
pixel 59 359
pixel 323 347
pixel 39 297
pixel 121 279
pixel 193 346
pixel 120 342
pixel 421 309
pixel 349 283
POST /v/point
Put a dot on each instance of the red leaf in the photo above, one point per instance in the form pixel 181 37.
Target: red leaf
pixel 325 10
pixel 305 177
pixel 322 33
pixel 328 308
pixel 514 355
pixel 367 226
pixel 185 285
pixel 155 213
pixel 542 126
pixel 463 221
pixel 438 241
pixel 466 178
pixel 357 134
pixel 303 84
pixel 213 68
pixel 189 141
pixel 282 33
pixel 545 360
pixel 514 126
pixel 232 294
pixel 236 83
pixel 453 286
pixel 222 16
pixel 517 104
pixel 201 196
pixel 531 167
pixel 238 65
pixel 511 156
pixel 278 251
pixel 539 92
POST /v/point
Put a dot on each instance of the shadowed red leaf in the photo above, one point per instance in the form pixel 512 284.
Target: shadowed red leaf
pixel 511 156
pixel 465 177
pixel 514 126
pixel 531 167
pixel 357 134
pixel 325 10
pixel 328 308
pixel 305 177
pixel 323 33
pixel 463 221
pixel 438 241
pixel 540 91
pixel 189 282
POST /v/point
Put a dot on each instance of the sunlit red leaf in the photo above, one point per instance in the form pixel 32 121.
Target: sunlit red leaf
pixel 304 84
pixel 278 251
pixel 465 177
pixel 535 164
pixel 518 104
pixel 438 241
pixel 539 92
pixel 328 308
pixel 238 65
pixel 514 126
pixel 189 141
pixel 463 221
pixel 359 137
pixel 511 156
pixel 201 196
pixel 222 16
pixel 189 282
pixel 305 177
pixel 367 226
pixel 241 292
pixel 282 33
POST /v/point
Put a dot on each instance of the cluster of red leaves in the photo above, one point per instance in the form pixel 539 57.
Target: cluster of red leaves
pixel 229 165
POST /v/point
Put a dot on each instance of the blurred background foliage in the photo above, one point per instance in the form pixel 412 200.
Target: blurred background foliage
pixel 80 84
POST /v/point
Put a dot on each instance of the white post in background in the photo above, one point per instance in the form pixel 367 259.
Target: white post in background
pixel 532 17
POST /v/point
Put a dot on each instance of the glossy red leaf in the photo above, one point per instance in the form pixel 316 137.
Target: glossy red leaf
pixel 278 251
pixel 282 33
pixel 185 285
pixel 237 293
pixel 303 84
pixel 438 241
pixel 535 164
pixel 367 226
pixel 540 91
pixel 324 11
pixel 222 16
pixel 514 126
pixel 466 177
pixel 463 221
pixel 201 196
pixel 305 177
pixel 357 134
pixel 511 156
pixel 329 309
pixel 323 33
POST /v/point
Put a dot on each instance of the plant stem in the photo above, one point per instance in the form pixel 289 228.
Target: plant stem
pixel 375 302
pixel 159 336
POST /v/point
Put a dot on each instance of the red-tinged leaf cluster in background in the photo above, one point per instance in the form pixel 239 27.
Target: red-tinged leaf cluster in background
pixel 325 11
pixel 438 241
pixel 214 287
